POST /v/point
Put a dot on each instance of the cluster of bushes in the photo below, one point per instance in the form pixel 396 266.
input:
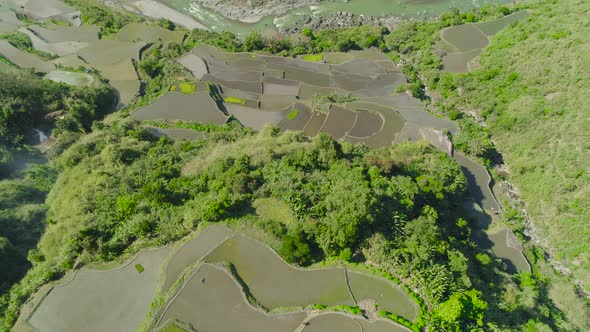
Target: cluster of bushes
pixel 28 102
pixel 109 19
pixel 337 40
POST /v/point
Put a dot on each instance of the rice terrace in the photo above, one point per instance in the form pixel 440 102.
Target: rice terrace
pixel 275 166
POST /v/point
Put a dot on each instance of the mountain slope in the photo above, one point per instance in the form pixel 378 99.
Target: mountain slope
pixel 532 91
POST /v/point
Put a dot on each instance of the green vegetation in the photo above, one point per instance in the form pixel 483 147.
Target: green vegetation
pixel 171 327
pixel 109 19
pixel 187 88
pixel 357 201
pixel 59 22
pixel 311 44
pixel 321 103
pixel 23 43
pixel 292 114
pixel 120 189
pixel 270 208
pixel 234 100
pixel 28 102
pixel 313 57
pixel 527 104
pixel 343 308
pixel 206 128
pixel 139 268
pixel 535 114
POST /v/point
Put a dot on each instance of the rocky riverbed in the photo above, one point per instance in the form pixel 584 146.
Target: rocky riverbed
pixel 253 10
pixel 339 20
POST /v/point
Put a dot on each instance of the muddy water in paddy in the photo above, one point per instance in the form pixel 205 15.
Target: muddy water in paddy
pixel 507 246
pixel 465 37
pixel 276 284
pixel 297 121
pixel 23 59
pixel 388 296
pixel 315 124
pixel 339 122
pixel 478 183
pixel 115 300
pixel 367 124
pixel 333 322
pixel 198 107
pixel 459 62
pixel 255 118
pixel 71 78
pixel 195 250
pixel 212 301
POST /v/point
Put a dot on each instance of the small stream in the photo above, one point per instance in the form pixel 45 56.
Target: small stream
pixel 41 137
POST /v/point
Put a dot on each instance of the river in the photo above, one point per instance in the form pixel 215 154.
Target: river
pixel 399 8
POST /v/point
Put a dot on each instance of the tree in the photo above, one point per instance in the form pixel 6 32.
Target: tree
pixel 254 42
pixel 295 249
pixel 462 310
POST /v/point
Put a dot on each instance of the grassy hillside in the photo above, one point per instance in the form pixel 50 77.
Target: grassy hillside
pixel 532 91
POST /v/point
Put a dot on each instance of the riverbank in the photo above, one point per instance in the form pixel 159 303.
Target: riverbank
pixel 157 10
pixel 339 20
pixel 252 11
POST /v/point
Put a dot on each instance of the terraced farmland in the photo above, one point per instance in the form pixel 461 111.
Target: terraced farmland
pixel 212 290
pixel 463 43
pixel 77 46
pixel 208 290
pixel 260 90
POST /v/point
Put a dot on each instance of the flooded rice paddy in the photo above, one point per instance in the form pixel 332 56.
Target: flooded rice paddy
pixel 211 296
pixel 275 283
pixel 208 291
pixel 333 322
pixel 272 284
pixel 87 302
pixel 478 183
pixel 174 106
pixel 383 292
pixel 281 91
pixel 71 78
pixel 195 250
pixel 23 59
pixel 507 246
pixel 465 42
pixel 284 92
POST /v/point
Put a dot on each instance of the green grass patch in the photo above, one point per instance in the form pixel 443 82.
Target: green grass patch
pixel 60 22
pixel 6 61
pixel 292 114
pixel 274 209
pixel 313 57
pixel 139 268
pixel 187 88
pixel 173 87
pixel 234 100
pixel 171 327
